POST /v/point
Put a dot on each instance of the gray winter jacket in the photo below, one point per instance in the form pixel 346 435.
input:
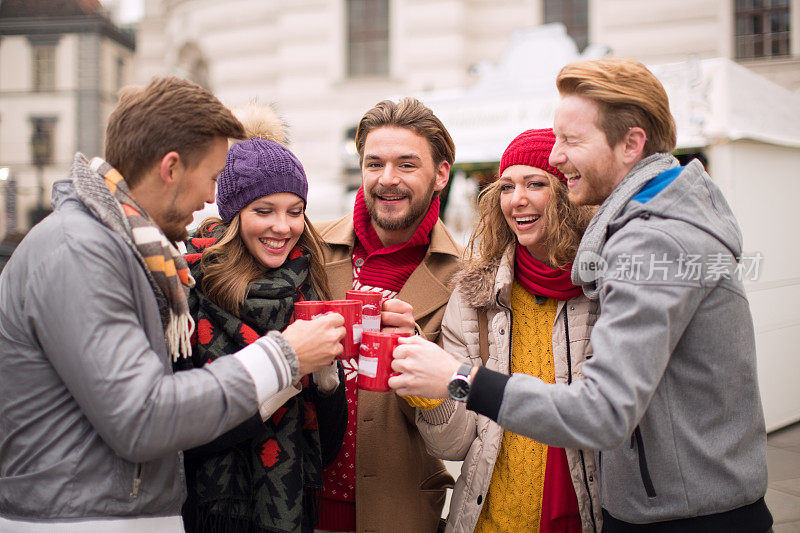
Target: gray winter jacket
pixel 91 417
pixel 671 394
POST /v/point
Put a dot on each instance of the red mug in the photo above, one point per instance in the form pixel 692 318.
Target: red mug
pixel 309 309
pixel 351 311
pixel 371 303
pixel 375 360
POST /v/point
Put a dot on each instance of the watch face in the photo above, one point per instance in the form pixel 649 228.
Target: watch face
pixel 458 388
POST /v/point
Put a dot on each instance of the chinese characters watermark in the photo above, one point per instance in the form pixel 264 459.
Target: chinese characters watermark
pixel 661 267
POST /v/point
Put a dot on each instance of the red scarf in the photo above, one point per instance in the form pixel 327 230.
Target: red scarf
pixel 538 278
pixel 389 267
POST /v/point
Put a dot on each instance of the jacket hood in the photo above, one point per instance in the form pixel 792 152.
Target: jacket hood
pixel 693 198
pixel 64 190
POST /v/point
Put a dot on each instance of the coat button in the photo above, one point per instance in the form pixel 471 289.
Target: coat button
pixel 359 262
pixel 480 498
pixel 571 307
pixel 502 332
pixel 591 479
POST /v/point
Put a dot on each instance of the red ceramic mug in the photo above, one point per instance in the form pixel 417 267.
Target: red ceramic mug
pixel 309 309
pixel 371 303
pixel 351 311
pixel 375 361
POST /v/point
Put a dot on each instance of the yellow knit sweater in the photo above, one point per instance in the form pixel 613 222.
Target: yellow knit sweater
pixel 514 499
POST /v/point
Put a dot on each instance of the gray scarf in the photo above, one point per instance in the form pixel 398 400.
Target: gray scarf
pixel 589 264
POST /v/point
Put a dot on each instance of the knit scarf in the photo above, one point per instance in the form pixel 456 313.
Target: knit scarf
pixel 273 480
pixel 589 263
pixel 105 193
pixel 388 267
pixel 538 278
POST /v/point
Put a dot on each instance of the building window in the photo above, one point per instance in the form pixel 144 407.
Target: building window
pixel 367 37
pixel 119 74
pixel 44 67
pixel 192 65
pixel 574 14
pixel 42 138
pixel 762 28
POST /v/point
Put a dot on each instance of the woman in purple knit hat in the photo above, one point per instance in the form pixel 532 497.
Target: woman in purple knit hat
pixel 250 266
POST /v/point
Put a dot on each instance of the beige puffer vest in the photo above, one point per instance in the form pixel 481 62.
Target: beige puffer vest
pixel 454 433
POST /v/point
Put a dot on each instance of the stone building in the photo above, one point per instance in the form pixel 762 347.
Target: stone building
pixel 61 65
pixel 322 63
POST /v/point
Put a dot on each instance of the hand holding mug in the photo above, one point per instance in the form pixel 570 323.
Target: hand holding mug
pixel 316 342
pixel 425 368
pixel 397 316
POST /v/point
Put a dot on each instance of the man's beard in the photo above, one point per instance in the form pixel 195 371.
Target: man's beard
pixel 416 209
pixel 172 225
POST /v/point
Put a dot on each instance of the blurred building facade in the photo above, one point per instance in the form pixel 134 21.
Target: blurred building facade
pixel 322 63
pixel 61 65
pixel 762 35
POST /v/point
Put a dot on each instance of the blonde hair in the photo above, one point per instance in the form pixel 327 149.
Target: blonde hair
pixel 229 267
pixel 628 95
pixel 564 227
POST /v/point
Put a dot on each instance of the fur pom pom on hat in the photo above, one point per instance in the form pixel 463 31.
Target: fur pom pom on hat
pixel 262 122
pixel 531 148
pixel 259 166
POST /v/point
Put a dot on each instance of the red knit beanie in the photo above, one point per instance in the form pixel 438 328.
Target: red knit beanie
pixel 531 148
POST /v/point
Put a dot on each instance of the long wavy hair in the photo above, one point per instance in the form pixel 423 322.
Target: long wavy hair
pixel 229 267
pixel 564 227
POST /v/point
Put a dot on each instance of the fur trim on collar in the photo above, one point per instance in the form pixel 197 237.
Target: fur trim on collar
pixel 477 284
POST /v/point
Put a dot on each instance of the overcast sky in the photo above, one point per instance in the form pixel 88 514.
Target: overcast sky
pixel 129 10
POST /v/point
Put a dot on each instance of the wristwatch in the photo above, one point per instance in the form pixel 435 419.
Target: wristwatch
pixel 459 385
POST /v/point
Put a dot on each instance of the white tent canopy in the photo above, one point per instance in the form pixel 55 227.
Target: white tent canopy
pixel 711 99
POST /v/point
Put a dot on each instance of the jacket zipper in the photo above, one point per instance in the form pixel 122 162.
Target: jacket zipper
pixel 137 480
pixel 580 452
pixel 643 470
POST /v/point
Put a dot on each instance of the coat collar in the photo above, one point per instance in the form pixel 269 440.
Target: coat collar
pixel 424 290
pixel 479 285
pixel 340 232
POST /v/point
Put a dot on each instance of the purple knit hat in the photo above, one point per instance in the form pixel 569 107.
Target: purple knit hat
pixel 256 168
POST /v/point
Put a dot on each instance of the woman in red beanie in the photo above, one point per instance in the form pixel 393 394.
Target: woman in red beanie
pixel 535 321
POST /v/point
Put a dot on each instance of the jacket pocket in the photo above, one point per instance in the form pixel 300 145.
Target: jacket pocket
pixel 437 481
pixel 137 481
pixel 637 439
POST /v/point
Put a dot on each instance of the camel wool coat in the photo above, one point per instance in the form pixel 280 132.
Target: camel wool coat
pixel 399 486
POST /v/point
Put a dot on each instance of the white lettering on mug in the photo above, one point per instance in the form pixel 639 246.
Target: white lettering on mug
pixel 368 366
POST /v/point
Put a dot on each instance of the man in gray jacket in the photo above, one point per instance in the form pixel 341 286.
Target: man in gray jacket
pixel 93 311
pixel 671 395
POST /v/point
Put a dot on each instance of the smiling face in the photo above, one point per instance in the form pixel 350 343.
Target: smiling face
pixel 271 226
pixel 581 152
pixel 399 178
pixel 192 188
pixel 524 195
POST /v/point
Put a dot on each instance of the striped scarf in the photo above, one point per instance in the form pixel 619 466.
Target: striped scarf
pixel 107 196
